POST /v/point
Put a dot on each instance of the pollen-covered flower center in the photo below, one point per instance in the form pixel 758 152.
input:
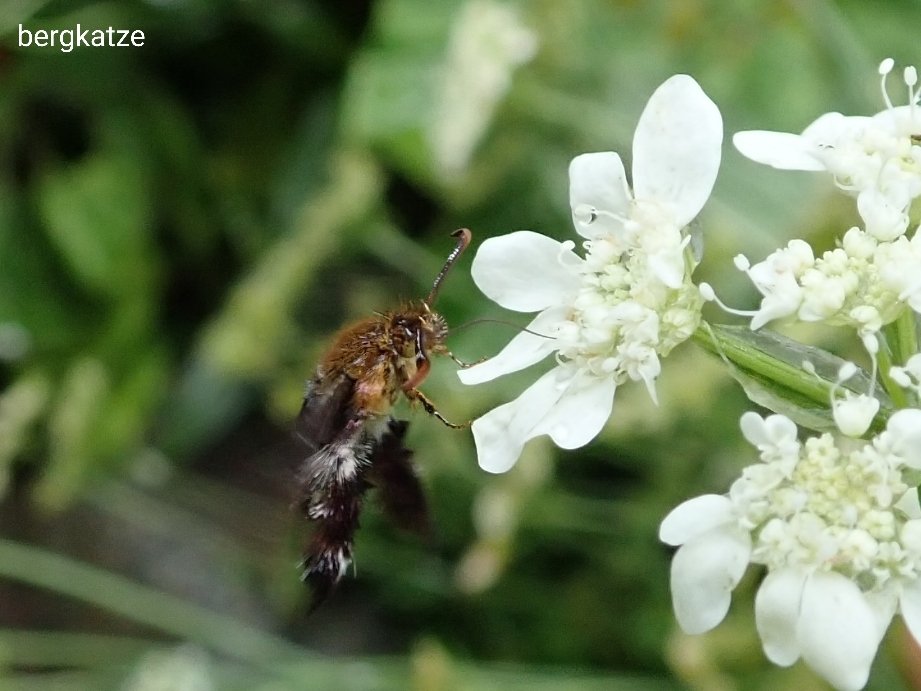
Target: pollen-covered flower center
pixel 636 302
pixel 833 509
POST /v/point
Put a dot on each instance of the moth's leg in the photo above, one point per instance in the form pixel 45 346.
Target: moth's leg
pixel 394 475
pixel 460 363
pixel 429 407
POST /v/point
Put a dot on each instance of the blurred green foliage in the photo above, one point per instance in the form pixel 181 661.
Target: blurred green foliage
pixel 184 225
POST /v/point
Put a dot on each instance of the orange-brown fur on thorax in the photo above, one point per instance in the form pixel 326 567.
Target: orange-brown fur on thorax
pixel 385 354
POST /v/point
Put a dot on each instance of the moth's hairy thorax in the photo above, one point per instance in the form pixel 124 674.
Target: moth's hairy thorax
pixel 382 353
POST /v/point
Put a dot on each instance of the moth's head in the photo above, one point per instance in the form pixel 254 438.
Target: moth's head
pixel 418 328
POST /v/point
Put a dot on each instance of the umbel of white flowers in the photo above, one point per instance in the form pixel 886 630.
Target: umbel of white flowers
pixel 835 520
pixel 873 275
pixel 839 530
pixel 609 315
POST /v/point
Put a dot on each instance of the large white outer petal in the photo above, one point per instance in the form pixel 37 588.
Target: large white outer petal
pixel 781 150
pixel 598 181
pixel 677 147
pixel 910 607
pixel 777 608
pixel 543 408
pixel 838 630
pixel 581 411
pixel 526 271
pixel 704 572
pixel 522 351
pixel 695 517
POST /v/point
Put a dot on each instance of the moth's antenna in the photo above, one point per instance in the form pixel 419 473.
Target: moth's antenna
pixel 486 320
pixel 463 236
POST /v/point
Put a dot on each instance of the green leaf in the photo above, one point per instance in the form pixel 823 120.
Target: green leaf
pixel 96 215
pixel 769 367
pixel 33 294
pixel 394 84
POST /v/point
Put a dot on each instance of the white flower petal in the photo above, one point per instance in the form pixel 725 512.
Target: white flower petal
pixel 500 434
pixel 781 150
pixel 668 265
pixel 853 414
pixel 901 120
pixel 837 630
pixel 597 182
pixel 777 607
pixel 905 429
pixel 522 351
pixel 526 271
pixel 910 607
pixel 774 431
pixel 884 217
pixel 543 408
pixel 704 572
pixel 677 147
pixel 884 604
pixel 497 450
pixel 695 517
pixel 909 504
pixel 581 411
pixel 829 130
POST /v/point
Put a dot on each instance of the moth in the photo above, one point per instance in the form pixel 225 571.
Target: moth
pixel 354 442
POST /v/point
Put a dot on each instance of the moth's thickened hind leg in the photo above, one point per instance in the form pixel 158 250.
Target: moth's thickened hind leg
pixel 393 474
pixel 332 488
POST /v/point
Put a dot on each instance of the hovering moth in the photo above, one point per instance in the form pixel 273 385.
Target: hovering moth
pixel 354 442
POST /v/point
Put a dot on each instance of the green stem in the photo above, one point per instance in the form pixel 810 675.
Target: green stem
pixel 55 572
pixel 884 360
pixel 65 649
pixel 789 376
pixel 906 331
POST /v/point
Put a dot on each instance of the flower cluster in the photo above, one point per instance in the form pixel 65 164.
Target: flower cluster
pixel 835 519
pixel 839 530
pixel 869 279
pixel 611 314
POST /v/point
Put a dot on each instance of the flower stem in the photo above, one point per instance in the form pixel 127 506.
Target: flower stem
pixel 905 341
pixel 743 352
pixel 885 359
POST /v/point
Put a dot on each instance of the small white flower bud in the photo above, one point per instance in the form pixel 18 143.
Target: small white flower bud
pixel 847 370
pixel 707 292
pixel 854 415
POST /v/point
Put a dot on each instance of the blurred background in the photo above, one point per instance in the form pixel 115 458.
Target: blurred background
pixel 183 227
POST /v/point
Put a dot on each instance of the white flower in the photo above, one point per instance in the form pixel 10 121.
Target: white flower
pixel 908 376
pixel 839 531
pixel 611 314
pixel 877 159
pixel 863 284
